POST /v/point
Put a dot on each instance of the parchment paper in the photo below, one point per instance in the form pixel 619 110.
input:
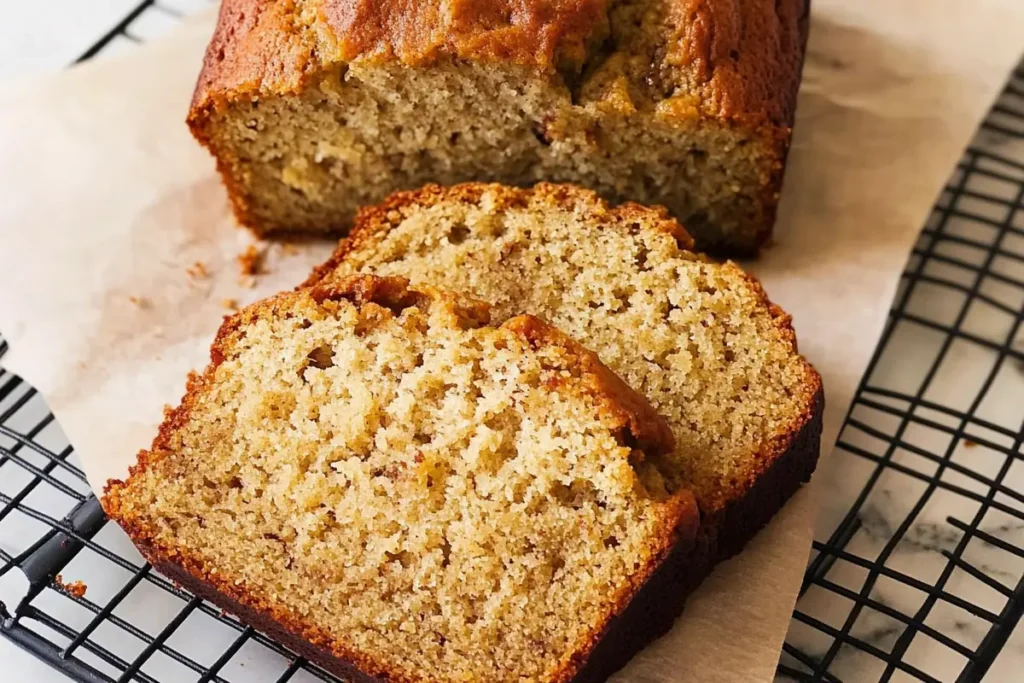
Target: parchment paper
pixel 107 202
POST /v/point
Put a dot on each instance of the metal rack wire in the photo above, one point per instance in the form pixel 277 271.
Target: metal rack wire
pixel 971 254
pixel 131 624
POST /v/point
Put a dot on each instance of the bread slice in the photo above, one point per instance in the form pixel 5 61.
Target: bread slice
pixel 698 338
pixel 315 108
pixel 403 492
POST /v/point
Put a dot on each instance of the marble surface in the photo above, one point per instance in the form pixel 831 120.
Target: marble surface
pixel 910 352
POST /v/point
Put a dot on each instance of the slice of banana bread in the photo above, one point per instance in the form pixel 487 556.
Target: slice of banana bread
pixel 698 338
pixel 313 108
pixel 403 492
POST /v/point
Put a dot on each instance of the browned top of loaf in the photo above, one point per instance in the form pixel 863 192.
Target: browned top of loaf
pixel 735 59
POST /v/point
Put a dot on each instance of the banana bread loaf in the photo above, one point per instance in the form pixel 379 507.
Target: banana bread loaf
pixel 401 491
pixel 699 339
pixel 313 108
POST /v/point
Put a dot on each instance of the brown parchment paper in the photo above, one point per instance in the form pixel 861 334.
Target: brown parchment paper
pixel 106 202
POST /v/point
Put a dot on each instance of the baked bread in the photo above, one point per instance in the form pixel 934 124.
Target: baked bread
pixel 698 338
pixel 315 108
pixel 403 492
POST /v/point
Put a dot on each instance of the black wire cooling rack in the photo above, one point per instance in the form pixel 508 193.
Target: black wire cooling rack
pixel 918 575
pixel 922 578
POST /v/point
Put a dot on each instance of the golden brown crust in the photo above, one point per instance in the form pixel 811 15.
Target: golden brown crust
pixel 743 56
pixel 396 294
pixel 544 34
pixel 255 48
pixel 740 59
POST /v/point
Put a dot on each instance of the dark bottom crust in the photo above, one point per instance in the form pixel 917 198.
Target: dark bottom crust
pixel 653 609
pixel 649 615
pixel 711 240
pixel 278 234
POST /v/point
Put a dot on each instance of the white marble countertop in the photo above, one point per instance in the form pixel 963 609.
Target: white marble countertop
pixel 909 354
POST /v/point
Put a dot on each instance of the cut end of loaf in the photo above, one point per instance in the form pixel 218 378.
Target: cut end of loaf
pixel 305 162
pixel 640 101
pixel 400 466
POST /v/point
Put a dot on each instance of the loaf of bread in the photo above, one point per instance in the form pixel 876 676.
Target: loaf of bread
pixel 315 108
pixel 698 338
pixel 401 491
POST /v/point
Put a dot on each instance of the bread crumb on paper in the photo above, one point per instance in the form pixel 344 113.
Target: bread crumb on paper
pixel 247 281
pixel 229 303
pixel 198 271
pixel 140 301
pixel 250 261
pixel 289 249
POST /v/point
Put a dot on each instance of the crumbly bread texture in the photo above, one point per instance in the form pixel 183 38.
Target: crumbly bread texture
pixel 315 107
pixel 698 338
pixel 407 492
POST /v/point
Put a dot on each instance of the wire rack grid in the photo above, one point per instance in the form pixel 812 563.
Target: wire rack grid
pixel 922 576
pixel 886 595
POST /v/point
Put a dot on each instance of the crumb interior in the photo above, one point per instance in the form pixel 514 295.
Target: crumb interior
pixel 695 337
pixel 432 494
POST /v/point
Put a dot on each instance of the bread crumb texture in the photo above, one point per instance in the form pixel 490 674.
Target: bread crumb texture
pixel 315 107
pixel 422 493
pixel 699 339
